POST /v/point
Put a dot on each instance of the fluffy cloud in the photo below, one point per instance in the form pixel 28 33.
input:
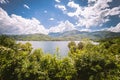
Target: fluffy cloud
pixel 15 24
pixel 115 29
pixel 73 5
pixel 58 1
pixel 51 19
pixel 26 6
pixel 95 14
pixel 61 7
pixel 4 1
pixel 62 27
pixel 87 30
pixel 45 11
pixel 18 25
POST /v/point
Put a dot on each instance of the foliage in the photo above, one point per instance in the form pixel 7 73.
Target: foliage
pixel 97 62
pixel 7 41
pixel 85 61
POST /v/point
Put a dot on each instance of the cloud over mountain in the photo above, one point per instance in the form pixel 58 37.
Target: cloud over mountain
pixel 62 27
pixel 95 14
pixel 44 16
pixel 115 29
pixel 15 24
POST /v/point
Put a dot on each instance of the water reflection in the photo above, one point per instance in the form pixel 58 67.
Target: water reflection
pixel 50 46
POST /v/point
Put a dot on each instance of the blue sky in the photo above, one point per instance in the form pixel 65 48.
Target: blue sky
pixel 45 16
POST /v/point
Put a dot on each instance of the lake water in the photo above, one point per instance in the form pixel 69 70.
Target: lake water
pixel 50 46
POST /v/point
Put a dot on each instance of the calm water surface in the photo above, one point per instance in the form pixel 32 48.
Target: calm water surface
pixel 50 46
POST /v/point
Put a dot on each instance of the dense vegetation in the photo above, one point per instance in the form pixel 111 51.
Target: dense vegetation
pixel 85 61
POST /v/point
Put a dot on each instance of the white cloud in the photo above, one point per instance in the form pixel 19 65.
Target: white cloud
pixel 90 1
pixel 61 7
pixel 58 1
pixel 115 29
pixel 87 30
pixel 51 19
pixel 113 11
pixel 15 24
pixel 62 27
pixel 26 6
pixel 73 5
pixel 45 11
pixel 95 14
pixel 4 1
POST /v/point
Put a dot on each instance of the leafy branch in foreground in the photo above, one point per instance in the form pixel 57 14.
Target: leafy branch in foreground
pixel 85 61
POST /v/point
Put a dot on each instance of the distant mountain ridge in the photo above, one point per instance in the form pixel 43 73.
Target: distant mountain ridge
pixel 31 37
pixel 68 35
pixel 78 35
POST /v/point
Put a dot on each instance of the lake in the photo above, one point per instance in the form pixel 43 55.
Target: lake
pixel 50 46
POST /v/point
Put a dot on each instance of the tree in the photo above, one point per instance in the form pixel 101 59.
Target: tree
pixel 7 56
pixel 7 41
pixel 72 48
pixel 71 44
pixel 24 48
pixel 86 62
pixel 67 70
pixel 80 45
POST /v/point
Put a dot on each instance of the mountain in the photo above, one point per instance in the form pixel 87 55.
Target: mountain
pixel 68 35
pixel 54 34
pixel 32 37
pixel 105 34
pixel 78 35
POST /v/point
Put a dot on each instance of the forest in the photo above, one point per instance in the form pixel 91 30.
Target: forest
pixel 85 61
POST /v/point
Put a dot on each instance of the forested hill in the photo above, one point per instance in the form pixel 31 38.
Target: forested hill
pixel 31 37
pixel 69 35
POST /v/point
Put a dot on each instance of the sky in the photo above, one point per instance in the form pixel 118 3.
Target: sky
pixel 52 16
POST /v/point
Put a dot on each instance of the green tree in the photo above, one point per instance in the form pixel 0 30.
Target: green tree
pixel 80 45
pixel 24 48
pixel 7 41
pixel 72 48
pixel 7 56
pixel 96 66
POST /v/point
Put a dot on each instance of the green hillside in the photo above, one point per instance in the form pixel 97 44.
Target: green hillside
pixel 67 36
pixel 32 37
